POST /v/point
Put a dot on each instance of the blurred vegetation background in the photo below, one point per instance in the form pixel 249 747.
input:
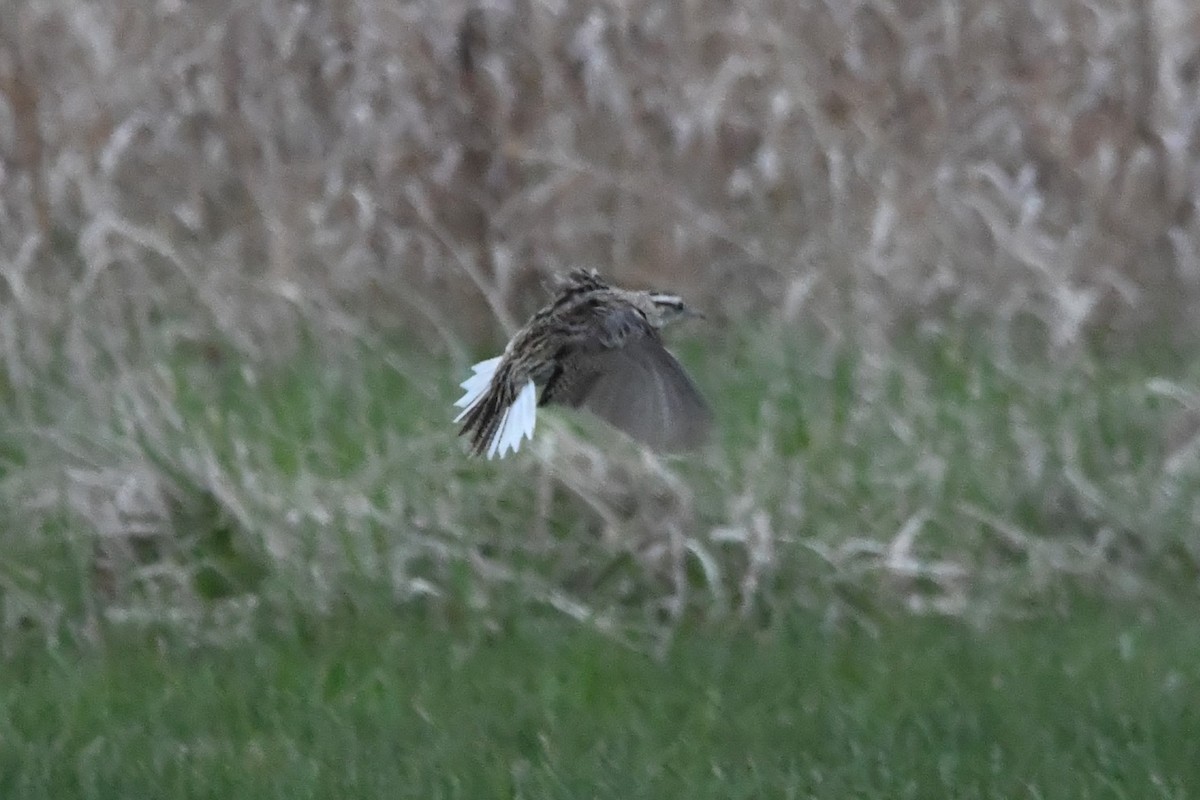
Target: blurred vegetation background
pixel 949 251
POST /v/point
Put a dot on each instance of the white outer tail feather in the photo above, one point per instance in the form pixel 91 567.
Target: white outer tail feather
pixel 518 419
pixel 476 385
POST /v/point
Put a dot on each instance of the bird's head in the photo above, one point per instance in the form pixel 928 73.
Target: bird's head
pixel 663 308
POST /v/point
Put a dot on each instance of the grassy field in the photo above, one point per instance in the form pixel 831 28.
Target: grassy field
pixel 947 573
pixel 943 543
pixel 1091 705
pixel 941 478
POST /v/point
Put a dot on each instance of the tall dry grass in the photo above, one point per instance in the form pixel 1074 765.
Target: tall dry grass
pixel 223 165
pixel 225 178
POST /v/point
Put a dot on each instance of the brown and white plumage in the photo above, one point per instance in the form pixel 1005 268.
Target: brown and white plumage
pixel 595 347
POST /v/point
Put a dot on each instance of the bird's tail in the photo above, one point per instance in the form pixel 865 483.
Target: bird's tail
pixel 494 412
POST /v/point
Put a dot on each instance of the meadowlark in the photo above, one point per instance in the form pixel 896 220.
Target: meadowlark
pixel 595 347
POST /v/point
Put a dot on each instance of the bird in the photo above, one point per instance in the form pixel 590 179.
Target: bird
pixel 596 347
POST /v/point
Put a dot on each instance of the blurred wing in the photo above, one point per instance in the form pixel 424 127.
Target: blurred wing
pixel 642 390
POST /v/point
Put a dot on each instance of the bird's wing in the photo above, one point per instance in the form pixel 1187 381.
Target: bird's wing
pixel 640 389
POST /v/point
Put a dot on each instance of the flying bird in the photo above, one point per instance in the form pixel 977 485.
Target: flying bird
pixel 595 347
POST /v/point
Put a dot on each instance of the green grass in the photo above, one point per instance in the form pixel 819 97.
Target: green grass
pixel 939 474
pixel 1094 705
pixel 285 580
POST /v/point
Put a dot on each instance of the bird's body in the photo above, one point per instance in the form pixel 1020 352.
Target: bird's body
pixel 596 347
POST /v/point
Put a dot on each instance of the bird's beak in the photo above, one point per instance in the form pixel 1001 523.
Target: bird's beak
pixel 691 313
